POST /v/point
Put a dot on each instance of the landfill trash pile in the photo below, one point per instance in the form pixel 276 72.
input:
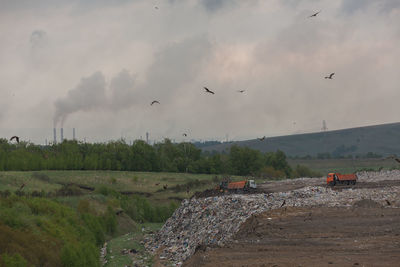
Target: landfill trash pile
pixel 378 176
pixel 200 222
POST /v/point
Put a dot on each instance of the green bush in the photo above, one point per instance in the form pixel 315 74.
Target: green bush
pixel 304 171
pixel 141 210
pixel 80 255
pixel 110 220
pixel 15 260
pixel 46 233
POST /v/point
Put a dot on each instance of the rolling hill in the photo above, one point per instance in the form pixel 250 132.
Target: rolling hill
pixel 380 139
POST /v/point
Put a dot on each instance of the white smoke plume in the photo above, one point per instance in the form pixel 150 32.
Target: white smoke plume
pixel 175 65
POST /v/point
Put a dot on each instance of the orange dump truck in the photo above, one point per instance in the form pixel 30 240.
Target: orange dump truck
pixel 335 178
pixel 237 186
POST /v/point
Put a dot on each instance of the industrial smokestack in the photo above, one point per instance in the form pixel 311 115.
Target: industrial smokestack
pixel 55 135
pixel 73 133
pixel 62 135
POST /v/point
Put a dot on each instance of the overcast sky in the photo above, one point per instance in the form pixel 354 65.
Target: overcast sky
pixel 97 66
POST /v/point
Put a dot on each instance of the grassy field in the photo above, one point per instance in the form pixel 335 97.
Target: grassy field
pixel 146 184
pixel 135 197
pixel 117 247
pixel 325 166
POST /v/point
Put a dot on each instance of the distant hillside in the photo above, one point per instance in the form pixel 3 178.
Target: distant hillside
pixel 380 139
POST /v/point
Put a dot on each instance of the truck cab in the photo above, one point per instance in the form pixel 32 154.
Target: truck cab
pixel 252 184
pixel 331 178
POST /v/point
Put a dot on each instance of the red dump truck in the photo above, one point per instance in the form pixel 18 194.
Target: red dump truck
pixel 238 186
pixel 335 178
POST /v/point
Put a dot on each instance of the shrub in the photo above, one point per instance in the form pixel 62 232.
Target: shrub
pixel 80 255
pixel 304 171
pixel 15 260
pixel 41 176
pixel 83 206
pixel 69 190
pixel 271 173
pixel 113 180
pixel 110 220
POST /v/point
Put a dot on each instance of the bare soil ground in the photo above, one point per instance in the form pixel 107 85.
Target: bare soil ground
pixel 366 234
pixel 363 235
pixel 272 187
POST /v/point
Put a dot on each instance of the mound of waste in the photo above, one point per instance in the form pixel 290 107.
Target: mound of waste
pixel 212 221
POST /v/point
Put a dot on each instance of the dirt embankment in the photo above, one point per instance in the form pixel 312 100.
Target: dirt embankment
pixel 363 235
pixel 299 222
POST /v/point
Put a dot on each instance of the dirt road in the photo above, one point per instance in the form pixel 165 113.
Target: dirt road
pixel 363 235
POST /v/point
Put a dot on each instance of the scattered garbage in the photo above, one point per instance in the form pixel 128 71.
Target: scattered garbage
pixel 212 221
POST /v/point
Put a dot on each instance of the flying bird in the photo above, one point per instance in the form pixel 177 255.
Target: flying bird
pixel 16 138
pixel 156 7
pixel 262 138
pixel 154 102
pixel 184 134
pixel 284 202
pixel 208 90
pixel 330 76
pixel 241 91
pixel 315 14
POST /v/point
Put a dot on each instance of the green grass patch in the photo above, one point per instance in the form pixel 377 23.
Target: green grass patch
pixel 117 248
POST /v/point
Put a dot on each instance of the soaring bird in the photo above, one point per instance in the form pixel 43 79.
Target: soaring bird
pixel 208 90
pixel 330 76
pixel 156 7
pixel 184 134
pixel 262 138
pixel 315 14
pixel 241 91
pixel 154 102
pixel 16 138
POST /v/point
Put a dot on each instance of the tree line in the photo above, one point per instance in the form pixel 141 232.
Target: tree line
pixel 165 156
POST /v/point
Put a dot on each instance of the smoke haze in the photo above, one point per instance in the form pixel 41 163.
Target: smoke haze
pixel 97 65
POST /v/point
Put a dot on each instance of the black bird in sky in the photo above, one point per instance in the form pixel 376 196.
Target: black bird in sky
pixel 16 138
pixel 315 14
pixel 184 134
pixel 154 102
pixel 262 138
pixel 241 91
pixel 330 76
pixel 156 7
pixel 208 90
